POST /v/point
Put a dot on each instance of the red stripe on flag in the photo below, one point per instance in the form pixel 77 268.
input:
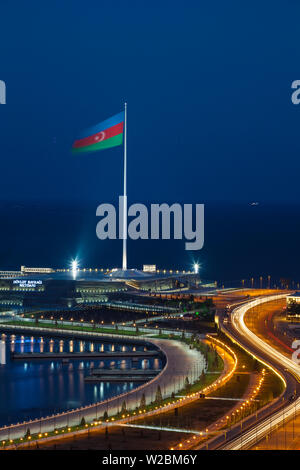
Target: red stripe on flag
pixel 100 136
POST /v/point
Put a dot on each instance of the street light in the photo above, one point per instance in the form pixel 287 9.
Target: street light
pixel 74 267
pixel 196 268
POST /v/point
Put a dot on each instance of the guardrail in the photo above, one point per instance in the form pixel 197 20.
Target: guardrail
pixel 96 334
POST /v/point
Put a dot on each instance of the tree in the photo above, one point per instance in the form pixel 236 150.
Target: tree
pixel 143 402
pixel 27 434
pixel 105 416
pixel 187 384
pixel 82 422
pixel 158 396
pixel 123 409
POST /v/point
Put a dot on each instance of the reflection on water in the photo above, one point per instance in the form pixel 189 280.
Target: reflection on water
pixel 2 353
pixel 41 387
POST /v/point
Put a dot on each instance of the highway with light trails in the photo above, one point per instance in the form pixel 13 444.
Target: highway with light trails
pixel 279 410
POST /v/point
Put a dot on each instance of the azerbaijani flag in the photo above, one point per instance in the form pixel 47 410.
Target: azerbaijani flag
pixel 108 133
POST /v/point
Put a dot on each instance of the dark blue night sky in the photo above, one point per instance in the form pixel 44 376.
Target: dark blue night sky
pixel 210 118
pixel 208 86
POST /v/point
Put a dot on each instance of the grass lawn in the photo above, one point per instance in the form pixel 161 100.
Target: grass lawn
pixel 70 327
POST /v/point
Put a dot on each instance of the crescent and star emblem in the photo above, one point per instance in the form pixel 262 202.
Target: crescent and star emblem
pixel 100 136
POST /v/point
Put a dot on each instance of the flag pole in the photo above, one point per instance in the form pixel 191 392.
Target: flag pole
pixel 124 263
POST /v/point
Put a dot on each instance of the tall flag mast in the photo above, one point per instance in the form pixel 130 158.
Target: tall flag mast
pixel 124 262
pixel 104 135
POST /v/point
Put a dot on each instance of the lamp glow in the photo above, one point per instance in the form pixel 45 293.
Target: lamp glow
pixel 196 268
pixel 74 265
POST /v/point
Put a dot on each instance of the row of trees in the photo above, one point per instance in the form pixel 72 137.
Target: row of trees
pixel 158 401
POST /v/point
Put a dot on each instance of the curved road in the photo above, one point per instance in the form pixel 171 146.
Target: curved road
pixel 280 409
pixel 181 362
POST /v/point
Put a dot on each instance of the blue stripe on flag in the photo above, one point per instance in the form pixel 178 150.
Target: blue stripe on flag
pixel 112 121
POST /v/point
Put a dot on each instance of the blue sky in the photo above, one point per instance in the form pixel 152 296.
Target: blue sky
pixel 208 86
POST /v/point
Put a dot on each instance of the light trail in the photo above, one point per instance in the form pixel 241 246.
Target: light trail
pixel 255 434
pixel 227 399
pixel 162 428
pixel 251 437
